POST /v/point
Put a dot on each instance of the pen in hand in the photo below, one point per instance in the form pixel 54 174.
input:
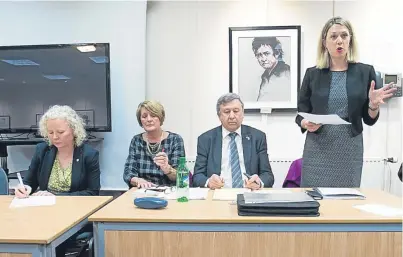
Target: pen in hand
pixel 22 188
pixel 246 175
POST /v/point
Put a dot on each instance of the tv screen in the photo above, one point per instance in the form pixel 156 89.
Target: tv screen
pixel 36 77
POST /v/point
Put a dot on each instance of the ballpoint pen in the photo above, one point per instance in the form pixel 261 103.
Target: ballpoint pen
pixel 20 180
pixel 246 175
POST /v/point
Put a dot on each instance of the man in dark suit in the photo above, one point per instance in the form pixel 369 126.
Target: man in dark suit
pixel 232 155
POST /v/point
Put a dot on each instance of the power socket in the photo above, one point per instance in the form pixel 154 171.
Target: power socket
pixel 391 160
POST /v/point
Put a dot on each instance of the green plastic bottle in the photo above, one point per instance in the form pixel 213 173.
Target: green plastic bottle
pixel 182 181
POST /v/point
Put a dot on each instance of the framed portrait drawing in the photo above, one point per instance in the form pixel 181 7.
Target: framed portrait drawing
pixel 88 117
pixel 5 122
pixel 265 66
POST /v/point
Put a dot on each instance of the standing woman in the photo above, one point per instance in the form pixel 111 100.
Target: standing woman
pixel 338 84
pixel 154 154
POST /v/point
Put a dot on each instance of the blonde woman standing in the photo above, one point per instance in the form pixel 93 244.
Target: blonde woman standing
pixel 338 84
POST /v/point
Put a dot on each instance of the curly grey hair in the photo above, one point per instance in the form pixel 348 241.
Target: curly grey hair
pixel 226 99
pixel 66 113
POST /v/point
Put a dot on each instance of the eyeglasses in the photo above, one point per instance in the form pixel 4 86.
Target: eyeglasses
pixel 163 189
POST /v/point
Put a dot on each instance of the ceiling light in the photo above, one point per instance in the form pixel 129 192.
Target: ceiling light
pixel 86 49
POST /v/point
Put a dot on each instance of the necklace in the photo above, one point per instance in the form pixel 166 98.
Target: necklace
pixel 153 149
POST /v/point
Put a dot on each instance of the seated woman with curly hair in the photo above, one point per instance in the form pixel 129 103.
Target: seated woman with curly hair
pixel 64 165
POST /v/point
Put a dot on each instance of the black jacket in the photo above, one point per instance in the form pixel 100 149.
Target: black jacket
pixel 85 177
pixel 315 88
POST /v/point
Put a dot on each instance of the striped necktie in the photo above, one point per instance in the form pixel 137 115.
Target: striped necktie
pixel 234 162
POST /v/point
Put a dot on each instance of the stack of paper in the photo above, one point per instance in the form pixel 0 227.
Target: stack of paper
pixel 330 119
pixel 340 193
pixel 33 201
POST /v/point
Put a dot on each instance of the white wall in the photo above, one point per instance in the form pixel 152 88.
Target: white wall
pixel 121 24
pixel 187 65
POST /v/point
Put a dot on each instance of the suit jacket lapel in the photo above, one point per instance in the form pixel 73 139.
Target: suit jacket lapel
pixel 351 86
pixel 247 147
pixel 324 84
pixel 217 149
pixel 76 168
pixel 47 165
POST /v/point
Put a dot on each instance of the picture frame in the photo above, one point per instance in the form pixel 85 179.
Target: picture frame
pixel 265 66
pixel 88 116
pixel 5 122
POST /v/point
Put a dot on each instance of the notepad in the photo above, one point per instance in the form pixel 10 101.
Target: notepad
pixel 33 201
pixel 340 193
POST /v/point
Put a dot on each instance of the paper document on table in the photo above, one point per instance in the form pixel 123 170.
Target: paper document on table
pixel 198 193
pixel 340 193
pixel 228 194
pixel 33 201
pixel 194 194
pixel 380 209
pixel 330 119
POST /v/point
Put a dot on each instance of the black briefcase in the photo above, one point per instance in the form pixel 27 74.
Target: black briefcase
pixel 291 209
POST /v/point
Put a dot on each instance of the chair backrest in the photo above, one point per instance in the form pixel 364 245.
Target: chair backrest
pixel 399 173
pixel 3 182
pixel 293 178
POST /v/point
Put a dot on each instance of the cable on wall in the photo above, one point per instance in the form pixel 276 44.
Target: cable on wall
pixel 333 7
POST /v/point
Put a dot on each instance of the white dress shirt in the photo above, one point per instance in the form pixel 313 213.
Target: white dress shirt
pixel 226 172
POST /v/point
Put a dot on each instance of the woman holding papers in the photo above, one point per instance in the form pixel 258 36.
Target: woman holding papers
pixel 64 165
pixel 338 84
pixel 154 154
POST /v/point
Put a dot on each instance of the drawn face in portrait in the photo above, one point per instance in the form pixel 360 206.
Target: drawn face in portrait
pixel 265 56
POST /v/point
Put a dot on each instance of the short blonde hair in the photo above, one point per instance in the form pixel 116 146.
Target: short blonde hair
pixel 323 56
pixel 154 107
pixel 66 113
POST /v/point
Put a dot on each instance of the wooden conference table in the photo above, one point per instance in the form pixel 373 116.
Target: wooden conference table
pixel 36 231
pixel 211 228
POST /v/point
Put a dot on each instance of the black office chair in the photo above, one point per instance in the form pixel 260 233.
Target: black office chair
pixel 3 182
pixel 79 245
pixel 399 173
pixel 13 175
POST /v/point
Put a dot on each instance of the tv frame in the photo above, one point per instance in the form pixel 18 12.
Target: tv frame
pixel 34 128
